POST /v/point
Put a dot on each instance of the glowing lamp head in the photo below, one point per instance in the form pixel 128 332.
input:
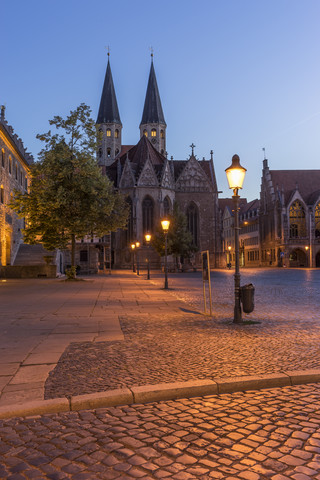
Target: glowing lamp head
pixel 306 247
pixel 147 237
pixel 165 225
pixel 229 248
pixel 137 244
pixel 133 246
pixel 235 173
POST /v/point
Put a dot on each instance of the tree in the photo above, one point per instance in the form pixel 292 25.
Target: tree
pixel 69 197
pixel 180 241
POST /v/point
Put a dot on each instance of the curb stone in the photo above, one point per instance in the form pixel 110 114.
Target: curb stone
pixel 159 392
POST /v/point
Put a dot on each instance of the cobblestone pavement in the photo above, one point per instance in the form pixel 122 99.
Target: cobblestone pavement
pixel 180 347
pixel 270 434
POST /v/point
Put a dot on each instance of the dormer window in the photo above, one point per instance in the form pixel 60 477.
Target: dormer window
pixel 108 132
pixel 153 132
pixel 145 133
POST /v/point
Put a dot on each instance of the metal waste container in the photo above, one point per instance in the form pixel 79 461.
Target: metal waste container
pixel 247 297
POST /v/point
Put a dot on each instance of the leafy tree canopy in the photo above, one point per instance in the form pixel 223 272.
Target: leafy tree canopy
pixel 68 196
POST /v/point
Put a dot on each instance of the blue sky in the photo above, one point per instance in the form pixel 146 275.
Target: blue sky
pixel 234 75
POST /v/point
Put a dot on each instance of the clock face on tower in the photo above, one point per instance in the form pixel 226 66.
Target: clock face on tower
pixel 153 140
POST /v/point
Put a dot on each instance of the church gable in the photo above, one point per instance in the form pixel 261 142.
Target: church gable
pixel 147 177
pixel 167 180
pixel 193 178
pixel 127 177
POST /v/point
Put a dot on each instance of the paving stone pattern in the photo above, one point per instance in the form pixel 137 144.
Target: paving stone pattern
pixel 270 434
pixel 179 347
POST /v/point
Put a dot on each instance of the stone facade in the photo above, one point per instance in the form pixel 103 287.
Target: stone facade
pixel 14 175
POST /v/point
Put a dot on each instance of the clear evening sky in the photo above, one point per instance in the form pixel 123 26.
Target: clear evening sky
pixel 234 75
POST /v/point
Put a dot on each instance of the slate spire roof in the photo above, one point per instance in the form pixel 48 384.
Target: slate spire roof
pixel 108 110
pixel 152 111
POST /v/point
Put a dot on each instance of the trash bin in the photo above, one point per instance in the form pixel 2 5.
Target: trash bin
pixel 247 297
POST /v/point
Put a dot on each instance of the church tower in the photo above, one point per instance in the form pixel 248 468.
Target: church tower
pixel 153 124
pixel 108 122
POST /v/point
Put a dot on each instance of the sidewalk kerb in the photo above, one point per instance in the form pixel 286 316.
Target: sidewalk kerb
pixel 109 398
pixel 37 407
pixel 253 382
pixel 172 391
pixel 300 377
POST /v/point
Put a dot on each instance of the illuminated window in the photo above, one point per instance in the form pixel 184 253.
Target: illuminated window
pixel 108 132
pixel 2 157
pixel 153 132
pixel 145 133
pixel 297 218
pixel 116 133
pixel 161 134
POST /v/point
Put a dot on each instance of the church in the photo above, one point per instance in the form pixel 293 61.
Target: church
pixel 151 182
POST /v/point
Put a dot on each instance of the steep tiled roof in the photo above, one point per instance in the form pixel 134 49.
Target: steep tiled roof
pixel 152 111
pixel 108 110
pixel 306 181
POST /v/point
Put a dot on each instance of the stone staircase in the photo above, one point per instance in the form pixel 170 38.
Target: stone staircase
pixel 32 255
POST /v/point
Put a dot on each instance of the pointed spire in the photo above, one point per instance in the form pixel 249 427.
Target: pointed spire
pixel 108 110
pixel 152 112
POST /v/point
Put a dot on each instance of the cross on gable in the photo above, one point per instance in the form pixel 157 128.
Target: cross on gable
pixel 192 148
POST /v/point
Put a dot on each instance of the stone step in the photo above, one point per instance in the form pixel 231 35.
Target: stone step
pixel 31 255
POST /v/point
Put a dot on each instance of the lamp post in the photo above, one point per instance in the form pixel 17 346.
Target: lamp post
pixel 133 246
pixel 165 227
pixel 306 249
pixel 148 239
pixel 137 250
pixel 235 175
pixel 229 257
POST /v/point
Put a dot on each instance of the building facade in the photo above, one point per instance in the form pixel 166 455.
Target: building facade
pixel 151 182
pixel 290 217
pixel 14 175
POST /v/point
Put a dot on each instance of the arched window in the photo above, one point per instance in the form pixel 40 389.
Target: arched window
pixel 109 152
pixel 153 132
pixel 116 133
pixel 166 206
pixel 145 133
pixel 147 215
pixel 129 238
pixel 108 132
pixel 193 220
pixel 317 221
pixel 297 219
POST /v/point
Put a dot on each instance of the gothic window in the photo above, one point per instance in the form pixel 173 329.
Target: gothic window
pixel 166 207
pixel 193 220
pixel 145 133
pixel 317 221
pixel 153 132
pixel 297 219
pixel 116 133
pixel 2 157
pixel 147 215
pixel 109 152
pixel 108 132
pixel 161 134
pixel 129 230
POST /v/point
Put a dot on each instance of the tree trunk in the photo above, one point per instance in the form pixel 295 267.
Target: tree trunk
pixel 73 250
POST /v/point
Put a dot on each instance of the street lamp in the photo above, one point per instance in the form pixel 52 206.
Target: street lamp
pixel 148 239
pixel 137 250
pixel 133 246
pixel 306 249
pixel 165 227
pixel 235 175
pixel 229 256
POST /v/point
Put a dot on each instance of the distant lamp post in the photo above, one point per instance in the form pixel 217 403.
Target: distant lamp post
pixel 235 176
pixel 133 246
pixel 165 227
pixel 137 250
pixel 148 240
pixel 306 249
pixel 229 256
